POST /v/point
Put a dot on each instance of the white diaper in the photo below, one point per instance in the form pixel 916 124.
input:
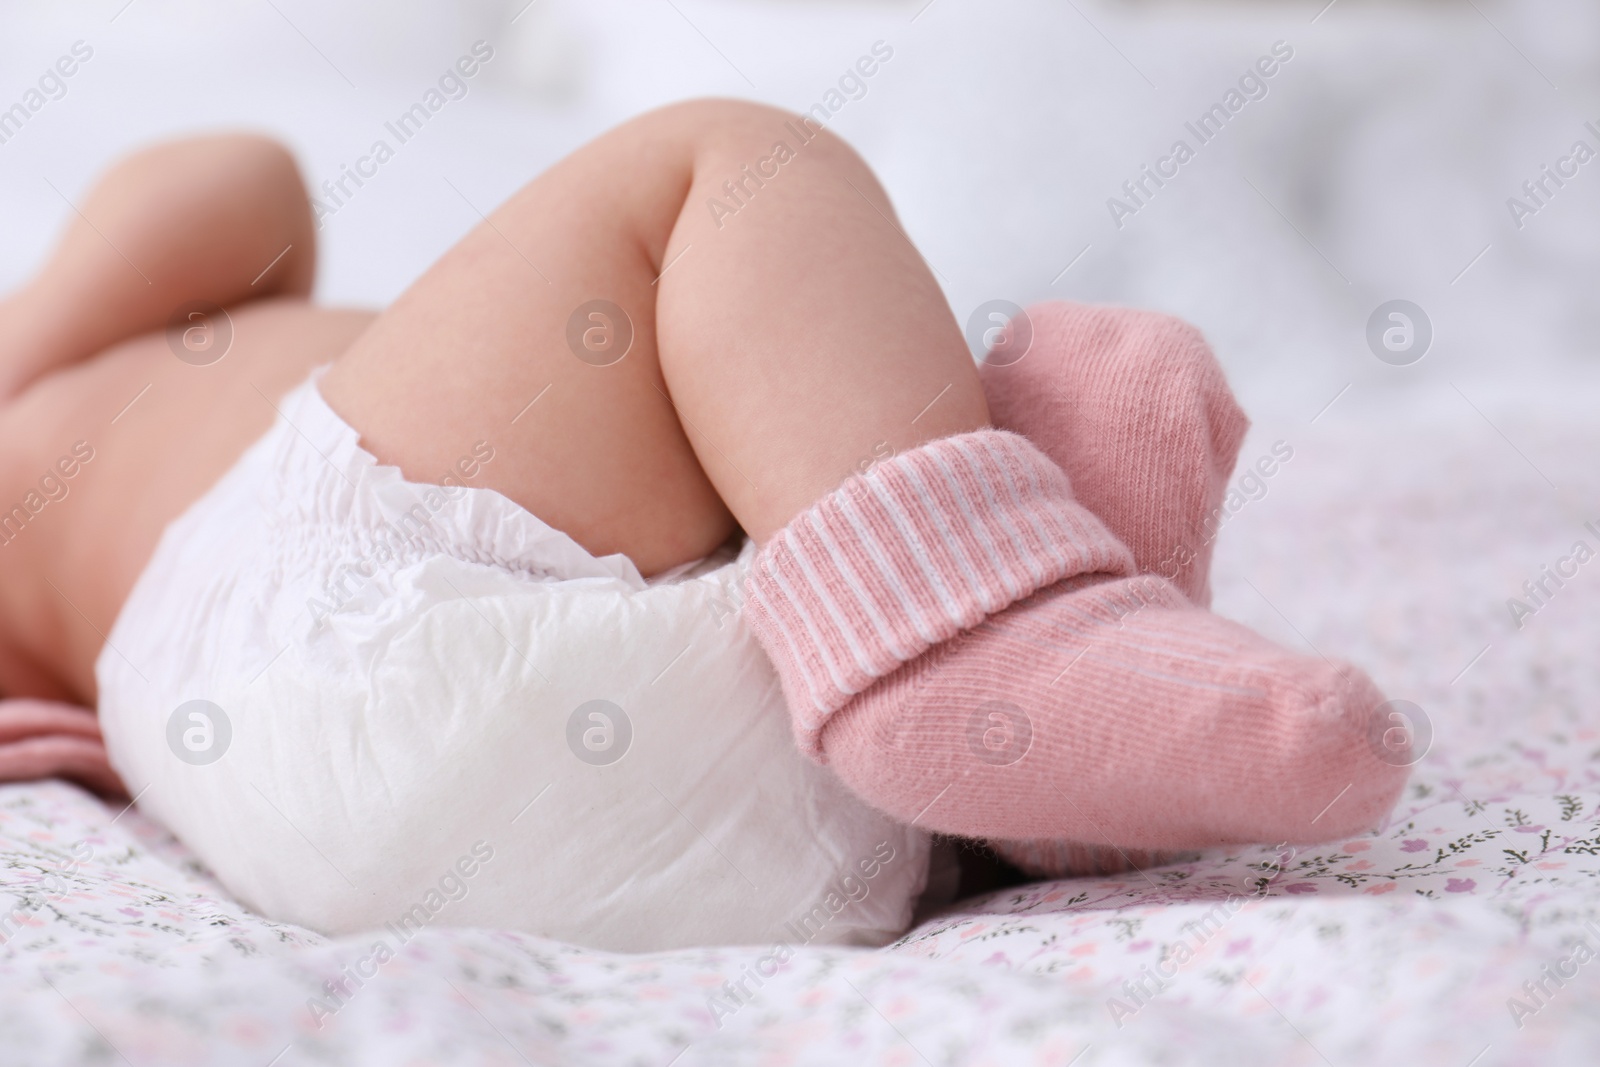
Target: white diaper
pixel 371 704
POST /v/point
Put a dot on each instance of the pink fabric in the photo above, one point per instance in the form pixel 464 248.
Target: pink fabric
pixel 1117 713
pixel 46 739
pixel 908 555
pixel 1135 408
pixel 1101 709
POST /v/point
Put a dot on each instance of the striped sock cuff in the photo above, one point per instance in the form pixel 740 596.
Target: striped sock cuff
pixel 923 546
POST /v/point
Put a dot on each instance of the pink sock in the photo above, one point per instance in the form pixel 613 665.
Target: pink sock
pixel 967 646
pixel 1133 406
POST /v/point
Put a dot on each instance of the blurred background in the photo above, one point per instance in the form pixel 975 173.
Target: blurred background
pixel 1378 165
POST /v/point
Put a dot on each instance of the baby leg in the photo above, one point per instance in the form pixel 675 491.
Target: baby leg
pixel 1111 717
pixel 783 334
pixel 219 219
pixel 1097 708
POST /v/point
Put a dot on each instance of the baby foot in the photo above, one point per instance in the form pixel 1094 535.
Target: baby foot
pixel 970 648
pixel 1117 713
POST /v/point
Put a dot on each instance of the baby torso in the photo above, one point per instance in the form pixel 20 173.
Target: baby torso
pixel 96 459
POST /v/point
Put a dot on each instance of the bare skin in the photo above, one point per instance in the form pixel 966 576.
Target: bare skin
pixel 775 351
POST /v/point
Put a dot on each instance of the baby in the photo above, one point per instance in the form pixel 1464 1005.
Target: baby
pixel 984 590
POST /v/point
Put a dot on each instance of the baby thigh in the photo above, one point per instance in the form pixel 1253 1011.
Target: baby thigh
pixel 536 333
pixel 657 368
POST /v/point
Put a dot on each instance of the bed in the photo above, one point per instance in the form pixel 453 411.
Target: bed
pixel 1450 936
